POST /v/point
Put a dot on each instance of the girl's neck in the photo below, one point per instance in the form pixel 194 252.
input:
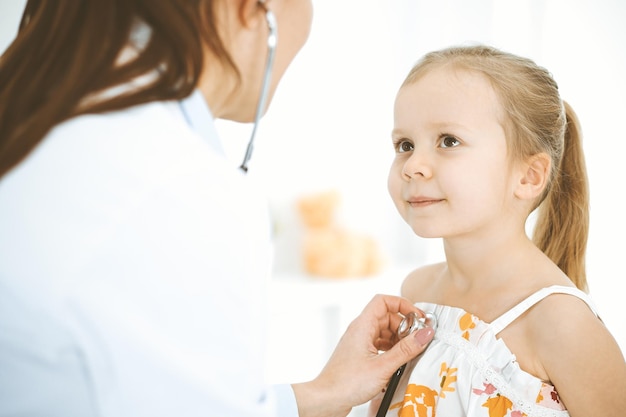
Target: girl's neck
pixel 490 279
pixel 486 263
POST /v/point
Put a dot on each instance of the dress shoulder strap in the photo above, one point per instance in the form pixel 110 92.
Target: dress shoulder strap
pixel 510 316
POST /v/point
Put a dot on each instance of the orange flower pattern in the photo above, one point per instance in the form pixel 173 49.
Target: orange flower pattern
pixel 498 405
pixel 419 401
pixel 426 401
pixel 466 323
pixel 448 378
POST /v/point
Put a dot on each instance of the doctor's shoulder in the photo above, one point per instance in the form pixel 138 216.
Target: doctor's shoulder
pixel 418 284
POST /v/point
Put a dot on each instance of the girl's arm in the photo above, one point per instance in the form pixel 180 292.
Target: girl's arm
pixel 582 358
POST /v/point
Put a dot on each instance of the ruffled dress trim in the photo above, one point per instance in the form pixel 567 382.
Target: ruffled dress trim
pixel 467 371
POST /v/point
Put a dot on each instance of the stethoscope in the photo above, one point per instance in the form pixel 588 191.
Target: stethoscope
pixel 408 325
pixel 272 38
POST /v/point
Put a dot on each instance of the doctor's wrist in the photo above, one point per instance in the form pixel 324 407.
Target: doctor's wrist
pixel 319 399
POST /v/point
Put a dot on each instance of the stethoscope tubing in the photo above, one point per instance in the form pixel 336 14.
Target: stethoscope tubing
pixel 408 325
pixel 391 389
pixel 272 40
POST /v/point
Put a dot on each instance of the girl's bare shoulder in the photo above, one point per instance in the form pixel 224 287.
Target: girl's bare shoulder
pixel 419 284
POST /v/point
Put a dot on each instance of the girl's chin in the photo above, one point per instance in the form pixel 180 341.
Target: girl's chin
pixel 425 232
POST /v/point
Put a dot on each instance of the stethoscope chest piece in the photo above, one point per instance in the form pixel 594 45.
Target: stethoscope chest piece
pixel 409 324
pixel 414 322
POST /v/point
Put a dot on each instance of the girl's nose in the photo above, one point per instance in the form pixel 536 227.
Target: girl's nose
pixel 418 165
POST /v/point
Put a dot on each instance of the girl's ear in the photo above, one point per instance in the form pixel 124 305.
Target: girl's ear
pixel 535 173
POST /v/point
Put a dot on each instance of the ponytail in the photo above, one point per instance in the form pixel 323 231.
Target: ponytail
pixel 562 225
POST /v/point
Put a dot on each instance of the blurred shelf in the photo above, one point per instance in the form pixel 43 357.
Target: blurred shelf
pixel 325 291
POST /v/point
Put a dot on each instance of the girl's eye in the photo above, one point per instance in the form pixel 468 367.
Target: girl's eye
pixel 448 141
pixel 403 146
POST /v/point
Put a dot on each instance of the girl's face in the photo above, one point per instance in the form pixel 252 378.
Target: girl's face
pixel 450 175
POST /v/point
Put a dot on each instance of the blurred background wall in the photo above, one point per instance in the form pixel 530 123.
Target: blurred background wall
pixel 329 125
pixel 329 128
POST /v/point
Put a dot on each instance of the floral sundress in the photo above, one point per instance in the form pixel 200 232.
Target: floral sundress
pixel 467 371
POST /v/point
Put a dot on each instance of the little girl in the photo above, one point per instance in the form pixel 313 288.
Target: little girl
pixel 482 139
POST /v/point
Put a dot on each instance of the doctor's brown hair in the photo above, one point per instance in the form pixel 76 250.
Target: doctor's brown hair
pixel 68 51
pixel 536 120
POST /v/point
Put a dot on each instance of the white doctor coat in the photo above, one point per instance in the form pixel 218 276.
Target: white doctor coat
pixel 133 264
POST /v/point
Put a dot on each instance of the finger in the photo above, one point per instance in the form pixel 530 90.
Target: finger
pixel 384 345
pixel 382 305
pixel 386 334
pixel 396 304
pixel 392 323
pixel 407 349
pixel 382 316
pixel 386 340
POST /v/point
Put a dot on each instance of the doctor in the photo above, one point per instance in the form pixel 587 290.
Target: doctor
pixel 133 255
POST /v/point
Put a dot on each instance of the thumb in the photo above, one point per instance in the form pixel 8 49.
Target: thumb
pixel 408 348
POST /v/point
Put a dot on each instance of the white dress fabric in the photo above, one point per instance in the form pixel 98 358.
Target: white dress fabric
pixel 134 260
pixel 468 371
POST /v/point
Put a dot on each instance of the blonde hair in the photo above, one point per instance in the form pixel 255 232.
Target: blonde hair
pixel 536 121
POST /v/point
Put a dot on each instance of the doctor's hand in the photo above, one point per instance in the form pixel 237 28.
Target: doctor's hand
pixel 356 371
